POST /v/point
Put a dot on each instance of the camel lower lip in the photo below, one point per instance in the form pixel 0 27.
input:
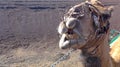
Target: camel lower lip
pixel 73 43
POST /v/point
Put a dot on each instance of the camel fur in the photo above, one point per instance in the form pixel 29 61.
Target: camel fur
pixel 78 32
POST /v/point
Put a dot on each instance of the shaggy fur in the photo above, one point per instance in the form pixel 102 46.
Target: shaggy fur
pixel 96 51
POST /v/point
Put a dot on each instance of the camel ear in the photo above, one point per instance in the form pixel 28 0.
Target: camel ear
pixel 110 8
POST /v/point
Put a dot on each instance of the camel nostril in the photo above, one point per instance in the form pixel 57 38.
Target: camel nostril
pixel 71 23
pixel 62 28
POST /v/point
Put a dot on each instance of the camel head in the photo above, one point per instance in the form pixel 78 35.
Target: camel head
pixel 81 24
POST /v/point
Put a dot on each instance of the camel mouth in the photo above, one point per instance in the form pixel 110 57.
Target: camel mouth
pixel 71 41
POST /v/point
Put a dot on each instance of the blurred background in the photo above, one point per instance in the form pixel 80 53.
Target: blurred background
pixel 28 35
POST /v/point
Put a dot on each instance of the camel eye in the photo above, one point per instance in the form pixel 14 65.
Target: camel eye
pixel 75 15
pixel 77 10
pixel 71 22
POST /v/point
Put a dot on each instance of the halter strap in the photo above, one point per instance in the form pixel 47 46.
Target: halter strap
pixel 100 25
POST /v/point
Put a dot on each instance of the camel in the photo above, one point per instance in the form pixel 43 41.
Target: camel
pixel 86 27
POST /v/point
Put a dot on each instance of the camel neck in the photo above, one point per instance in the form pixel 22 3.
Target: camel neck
pixel 98 54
